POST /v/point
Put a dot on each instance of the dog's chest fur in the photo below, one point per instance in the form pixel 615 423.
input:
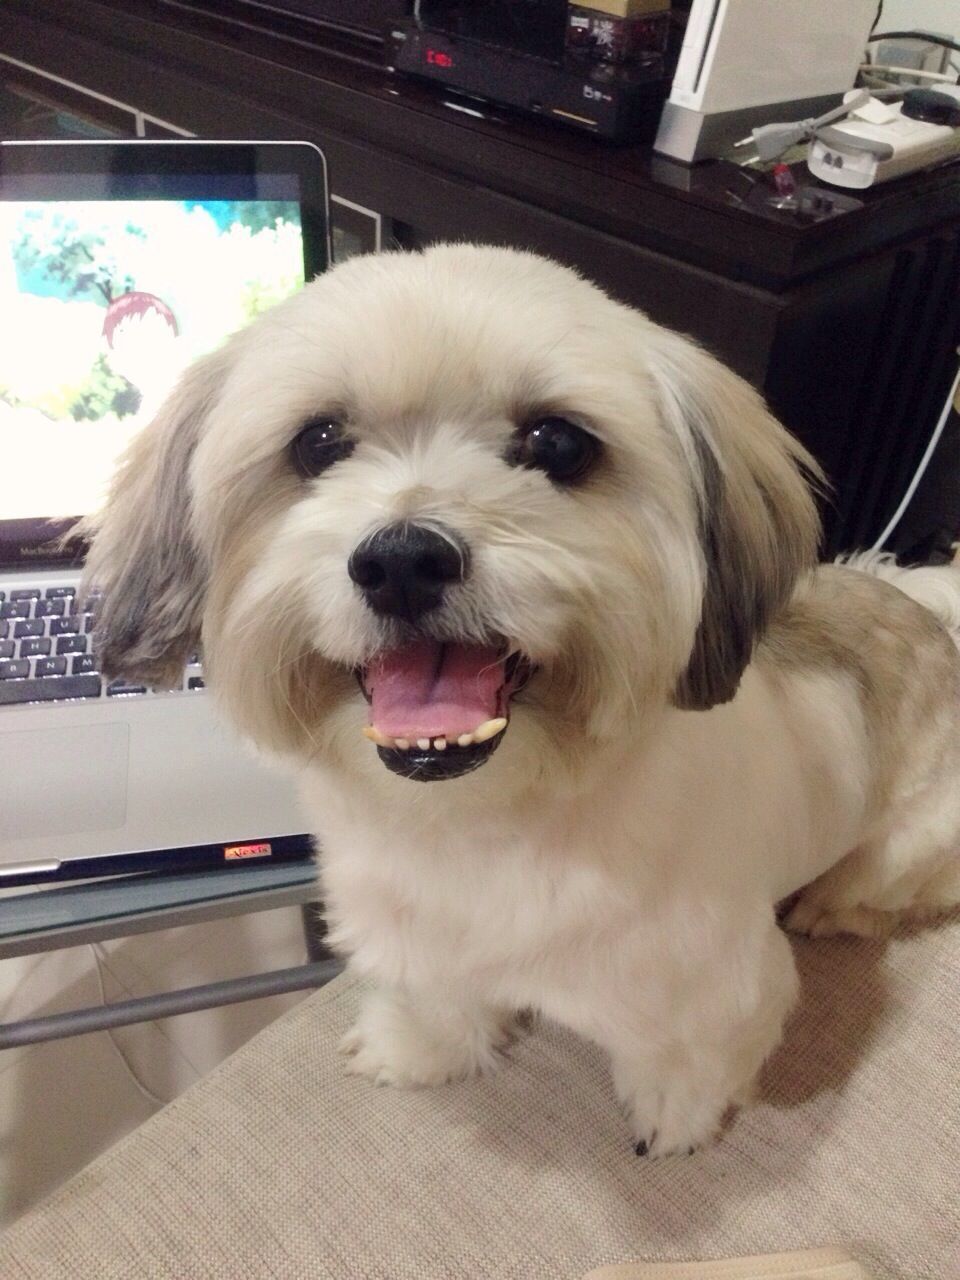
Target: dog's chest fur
pixel 512 898
pixel 481 904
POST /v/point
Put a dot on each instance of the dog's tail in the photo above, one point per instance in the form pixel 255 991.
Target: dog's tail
pixel 937 588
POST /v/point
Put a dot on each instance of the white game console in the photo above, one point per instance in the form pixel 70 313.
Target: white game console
pixel 750 62
pixel 883 140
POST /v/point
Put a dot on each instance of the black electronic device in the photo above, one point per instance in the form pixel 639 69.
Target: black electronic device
pixel 515 53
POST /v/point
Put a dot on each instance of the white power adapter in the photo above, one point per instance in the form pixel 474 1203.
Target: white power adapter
pixel 882 140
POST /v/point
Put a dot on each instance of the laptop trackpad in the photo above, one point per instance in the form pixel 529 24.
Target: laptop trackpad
pixel 56 782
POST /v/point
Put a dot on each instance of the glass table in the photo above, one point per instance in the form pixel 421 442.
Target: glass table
pixel 33 921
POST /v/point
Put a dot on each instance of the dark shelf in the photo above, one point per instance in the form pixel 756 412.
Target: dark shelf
pixel 714 215
pixel 822 312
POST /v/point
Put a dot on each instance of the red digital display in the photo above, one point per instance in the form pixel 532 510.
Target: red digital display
pixel 437 58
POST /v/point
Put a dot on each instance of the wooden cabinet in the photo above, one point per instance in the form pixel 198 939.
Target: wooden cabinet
pixel 846 313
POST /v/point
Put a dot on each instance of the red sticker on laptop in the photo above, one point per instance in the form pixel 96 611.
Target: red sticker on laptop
pixel 234 851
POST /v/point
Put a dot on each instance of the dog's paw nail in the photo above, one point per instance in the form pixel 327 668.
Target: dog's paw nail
pixel 642 1147
pixel 691 1151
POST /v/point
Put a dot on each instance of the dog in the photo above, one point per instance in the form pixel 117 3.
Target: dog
pixel 525 587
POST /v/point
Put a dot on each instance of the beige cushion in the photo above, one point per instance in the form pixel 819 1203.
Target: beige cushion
pixel 278 1165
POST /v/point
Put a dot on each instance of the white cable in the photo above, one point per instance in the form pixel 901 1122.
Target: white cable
pixel 924 463
pixel 874 67
pixel 150 1096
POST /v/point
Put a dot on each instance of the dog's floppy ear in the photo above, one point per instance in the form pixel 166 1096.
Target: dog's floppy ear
pixel 143 556
pixel 759 527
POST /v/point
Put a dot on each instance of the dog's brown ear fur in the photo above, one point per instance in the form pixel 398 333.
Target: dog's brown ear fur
pixel 759 527
pixel 143 554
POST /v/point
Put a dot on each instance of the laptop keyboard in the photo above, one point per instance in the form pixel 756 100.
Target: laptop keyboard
pixel 46 653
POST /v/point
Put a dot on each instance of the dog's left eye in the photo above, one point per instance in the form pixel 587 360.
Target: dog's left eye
pixel 560 448
pixel 321 442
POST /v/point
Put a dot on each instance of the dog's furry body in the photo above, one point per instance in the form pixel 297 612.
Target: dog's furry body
pixel 713 725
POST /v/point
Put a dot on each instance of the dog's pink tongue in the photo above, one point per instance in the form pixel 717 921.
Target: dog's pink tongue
pixel 429 690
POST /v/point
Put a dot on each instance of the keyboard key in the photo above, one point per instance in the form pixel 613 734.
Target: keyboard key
pixel 34 648
pixel 61 593
pixel 29 627
pixel 15 609
pixel 120 688
pixel 50 608
pixel 4 630
pixel 3 595
pixel 196 682
pixel 6 648
pixel 54 689
pixel 72 644
pixel 65 626
pixel 15 670
pixel 51 667
pixel 88 620
pixel 26 593
pixel 83 663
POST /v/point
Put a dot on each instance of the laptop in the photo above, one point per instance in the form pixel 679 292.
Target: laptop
pixel 120 263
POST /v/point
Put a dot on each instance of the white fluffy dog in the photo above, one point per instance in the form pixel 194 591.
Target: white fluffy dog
pixel 442 503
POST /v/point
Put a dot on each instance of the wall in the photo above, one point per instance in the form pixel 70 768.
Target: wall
pixel 942 17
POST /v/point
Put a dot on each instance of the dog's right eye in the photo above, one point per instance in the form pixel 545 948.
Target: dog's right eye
pixel 560 448
pixel 322 442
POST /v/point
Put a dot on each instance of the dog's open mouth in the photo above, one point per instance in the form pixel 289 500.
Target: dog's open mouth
pixel 439 710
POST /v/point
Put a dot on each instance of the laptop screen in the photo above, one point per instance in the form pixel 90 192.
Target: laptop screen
pixel 116 272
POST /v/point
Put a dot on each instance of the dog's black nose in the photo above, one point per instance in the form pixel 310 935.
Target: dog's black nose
pixel 404 570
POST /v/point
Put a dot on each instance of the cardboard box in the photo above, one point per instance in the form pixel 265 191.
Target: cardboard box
pixel 612 39
pixel 625 8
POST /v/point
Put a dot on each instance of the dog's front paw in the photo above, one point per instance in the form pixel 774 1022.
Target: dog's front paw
pixel 397 1060
pixel 816 919
pixel 674 1119
pixel 392 1044
pixel 657 1133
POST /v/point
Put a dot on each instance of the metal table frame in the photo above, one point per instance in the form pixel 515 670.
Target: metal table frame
pixel 70 915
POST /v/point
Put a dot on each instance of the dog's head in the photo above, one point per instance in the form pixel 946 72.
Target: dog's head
pixel 435 491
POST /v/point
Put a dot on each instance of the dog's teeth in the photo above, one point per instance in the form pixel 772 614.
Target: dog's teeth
pixel 489 729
